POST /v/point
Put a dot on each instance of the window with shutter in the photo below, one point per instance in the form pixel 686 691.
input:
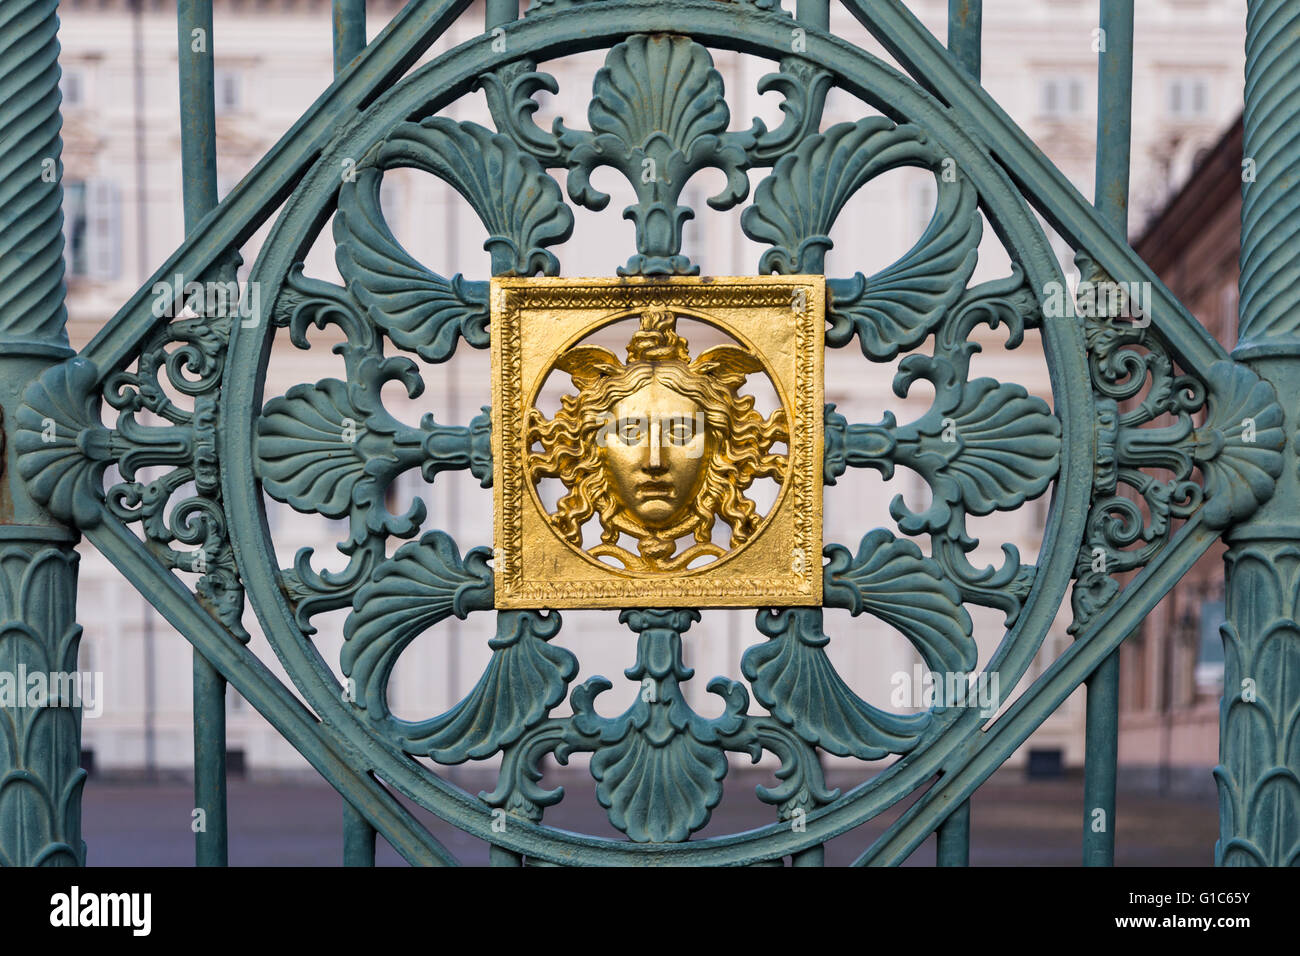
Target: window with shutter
pixel 74 227
pixel 103 230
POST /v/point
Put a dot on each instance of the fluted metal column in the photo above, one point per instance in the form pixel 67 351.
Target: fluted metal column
pixel 1259 741
pixel 40 778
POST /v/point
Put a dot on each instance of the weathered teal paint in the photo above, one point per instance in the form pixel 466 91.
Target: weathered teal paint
pixel 1012 447
pixel 499 12
pixel 1259 723
pixel 349 32
pixel 40 777
pixel 815 13
pixel 790 642
pixel 965 42
pixel 1110 196
pixel 952 838
pixel 199 194
pixel 965 30
pixel 358 838
pixel 349 41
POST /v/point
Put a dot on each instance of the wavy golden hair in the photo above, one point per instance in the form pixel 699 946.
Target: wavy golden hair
pixel 738 442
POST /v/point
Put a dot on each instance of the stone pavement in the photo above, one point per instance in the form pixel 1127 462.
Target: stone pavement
pixel 1014 823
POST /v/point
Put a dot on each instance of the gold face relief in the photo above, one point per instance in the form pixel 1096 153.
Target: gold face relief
pixel 654 455
pixel 664 478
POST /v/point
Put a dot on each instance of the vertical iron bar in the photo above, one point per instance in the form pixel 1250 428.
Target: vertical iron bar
pixel 1114 138
pixel 1101 756
pixel 349 32
pixel 815 855
pixel 953 837
pixel 1114 113
pixel 815 13
pixel 198 111
pixel 965 26
pixel 500 856
pixel 199 191
pixel 358 834
pixel 1259 811
pixel 210 841
pixel 40 819
pixel 139 149
pixel 500 12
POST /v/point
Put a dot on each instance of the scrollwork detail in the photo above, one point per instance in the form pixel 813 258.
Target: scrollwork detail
pixel 1237 448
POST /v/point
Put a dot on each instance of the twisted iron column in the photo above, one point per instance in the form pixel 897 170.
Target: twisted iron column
pixel 40 733
pixel 1259 742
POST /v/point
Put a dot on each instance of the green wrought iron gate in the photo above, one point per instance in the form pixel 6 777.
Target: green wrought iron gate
pixel 1159 441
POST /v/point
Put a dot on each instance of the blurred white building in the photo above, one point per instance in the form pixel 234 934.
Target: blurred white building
pixel 123 217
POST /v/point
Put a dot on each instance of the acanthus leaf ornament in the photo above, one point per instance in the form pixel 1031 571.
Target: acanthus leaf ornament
pixel 518 203
pixel 65 449
pixel 333 449
pixel 659 770
pixel 891 579
pixel 424 582
pixel 40 804
pixel 794 679
pixel 1237 449
pixel 62 447
pixel 416 308
pixel 983 446
pixel 895 309
pixel 525 678
pixel 658 116
pixel 387 295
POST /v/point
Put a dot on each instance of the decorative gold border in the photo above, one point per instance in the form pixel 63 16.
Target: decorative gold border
pixel 750 577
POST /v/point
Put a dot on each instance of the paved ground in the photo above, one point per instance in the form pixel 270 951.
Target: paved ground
pixel 1014 822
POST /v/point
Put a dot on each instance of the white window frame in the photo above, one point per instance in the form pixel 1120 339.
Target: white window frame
pixel 95 207
pixel 1060 95
pixel 1187 97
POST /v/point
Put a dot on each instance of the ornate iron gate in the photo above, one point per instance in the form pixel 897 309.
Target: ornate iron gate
pixel 1159 441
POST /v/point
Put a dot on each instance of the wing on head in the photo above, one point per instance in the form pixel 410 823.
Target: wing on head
pixel 588 364
pixel 728 365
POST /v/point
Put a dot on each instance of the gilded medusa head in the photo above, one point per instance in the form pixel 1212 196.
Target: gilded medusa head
pixel 659 448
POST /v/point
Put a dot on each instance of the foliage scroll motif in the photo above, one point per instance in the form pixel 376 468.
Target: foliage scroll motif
pixel 333 449
pixel 422 584
pixel 794 679
pixel 796 206
pixel 983 446
pixel 518 203
pixel 1237 449
pixel 659 766
pixel 658 117
pixel 387 295
pixel 65 450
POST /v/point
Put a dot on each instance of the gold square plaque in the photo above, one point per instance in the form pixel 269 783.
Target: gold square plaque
pixel 657 442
